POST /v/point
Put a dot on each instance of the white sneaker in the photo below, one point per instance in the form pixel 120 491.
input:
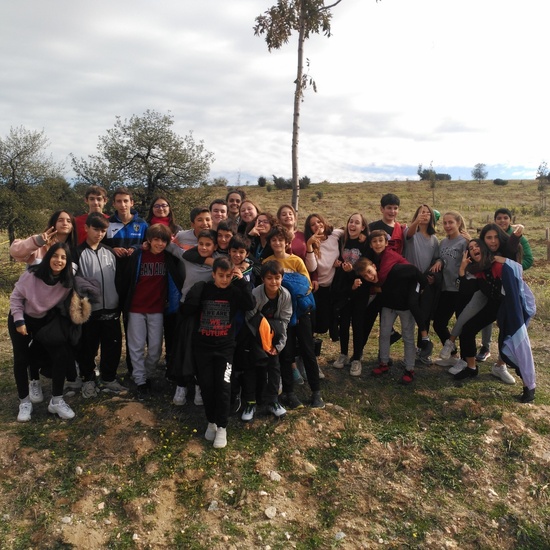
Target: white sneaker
pixel 180 396
pixel 220 441
pixel 89 390
pixel 355 369
pixel 211 431
pixel 248 413
pixel 500 371
pixel 61 409
pixel 276 409
pixel 321 374
pixel 451 362
pixel 341 361
pixel 459 365
pixel 25 410
pixel 198 397
pixel 447 350
pixel 35 393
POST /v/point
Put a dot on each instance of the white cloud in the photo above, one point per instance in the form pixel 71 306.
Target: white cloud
pixel 400 82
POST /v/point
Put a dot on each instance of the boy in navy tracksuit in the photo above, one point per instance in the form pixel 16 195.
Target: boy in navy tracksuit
pixel 216 304
pixel 97 261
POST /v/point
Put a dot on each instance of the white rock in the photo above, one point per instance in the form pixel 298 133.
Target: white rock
pixel 213 506
pixel 101 506
pixel 310 468
pixel 135 536
pixel 270 512
pixel 262 493
pixel 340 535
pixel 66 519
pixel 78 471
pixel 274 476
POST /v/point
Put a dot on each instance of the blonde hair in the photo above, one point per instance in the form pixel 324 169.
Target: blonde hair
pixel 460 222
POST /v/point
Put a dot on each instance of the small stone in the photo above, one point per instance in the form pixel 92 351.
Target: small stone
pixel 213 506
pixel 107 521
pixel 310 468
pixel 78 471
pixel 135 536
pixel 270 512
pixel 340 535
pixel 101 506
pixel 66 519
pixel 274 476
pixel 262 493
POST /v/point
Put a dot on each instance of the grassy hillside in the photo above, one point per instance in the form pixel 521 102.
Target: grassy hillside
pixel 437 464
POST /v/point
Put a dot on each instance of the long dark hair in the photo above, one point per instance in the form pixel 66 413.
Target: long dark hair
pixel 431 226
pixel 72 239
pixel 486 257
pixel 308 232
pixel 503 239
pixel 174 227
pixel 44 272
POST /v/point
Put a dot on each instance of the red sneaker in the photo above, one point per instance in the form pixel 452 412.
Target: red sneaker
pixel 382 368
pixel 408 377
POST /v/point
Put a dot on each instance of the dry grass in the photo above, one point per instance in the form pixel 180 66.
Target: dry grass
pixel 436 465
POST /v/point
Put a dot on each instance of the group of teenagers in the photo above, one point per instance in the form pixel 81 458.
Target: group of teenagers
pixel 237 299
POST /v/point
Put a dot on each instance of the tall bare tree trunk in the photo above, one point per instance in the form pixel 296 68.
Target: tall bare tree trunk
pixel 296 115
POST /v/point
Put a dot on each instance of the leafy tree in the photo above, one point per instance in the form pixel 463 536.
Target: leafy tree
pixel 146 154
pixel 262 182
pixel 26 170
pixel 500 181
pixel 306 17
pixel 479 173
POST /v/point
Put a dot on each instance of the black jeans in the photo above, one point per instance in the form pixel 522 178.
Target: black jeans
pixel 262 379
pixel 107 334
pixel 28 353
pixel 303 334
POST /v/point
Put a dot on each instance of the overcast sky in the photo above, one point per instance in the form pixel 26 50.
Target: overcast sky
pixel 400 82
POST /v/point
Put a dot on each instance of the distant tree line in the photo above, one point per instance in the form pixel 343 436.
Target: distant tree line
pixel 429 174
pixel 283 183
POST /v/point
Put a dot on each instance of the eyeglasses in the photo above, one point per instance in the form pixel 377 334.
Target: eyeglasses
pixel 160 206
pixel 263 222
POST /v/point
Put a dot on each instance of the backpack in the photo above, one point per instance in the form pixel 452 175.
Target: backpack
pixel 302 298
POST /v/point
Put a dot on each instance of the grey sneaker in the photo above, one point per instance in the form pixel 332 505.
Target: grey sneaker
pixel 341 361
pixel 355 369
pixel 35 392
pixel 25 410
pixel 317 401
pixel 72 386
pixel 89 390
pixel 210 433
pixel 292 401
pixel 248 413
pixel 180 396
pixel 61 409
pixel 198 397
pixel 113 387
pixel 220 439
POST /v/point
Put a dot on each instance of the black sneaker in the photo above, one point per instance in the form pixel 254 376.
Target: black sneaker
pixel 483 354
pixel 466 372
pixel 291 401
pixel 143 392
pixel 528 395
pixel 317 401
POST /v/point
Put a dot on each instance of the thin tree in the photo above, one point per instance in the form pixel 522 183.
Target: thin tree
pixel 277 24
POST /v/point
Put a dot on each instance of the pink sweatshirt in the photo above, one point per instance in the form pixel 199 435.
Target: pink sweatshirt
pixel 33 297
pixel 30 250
